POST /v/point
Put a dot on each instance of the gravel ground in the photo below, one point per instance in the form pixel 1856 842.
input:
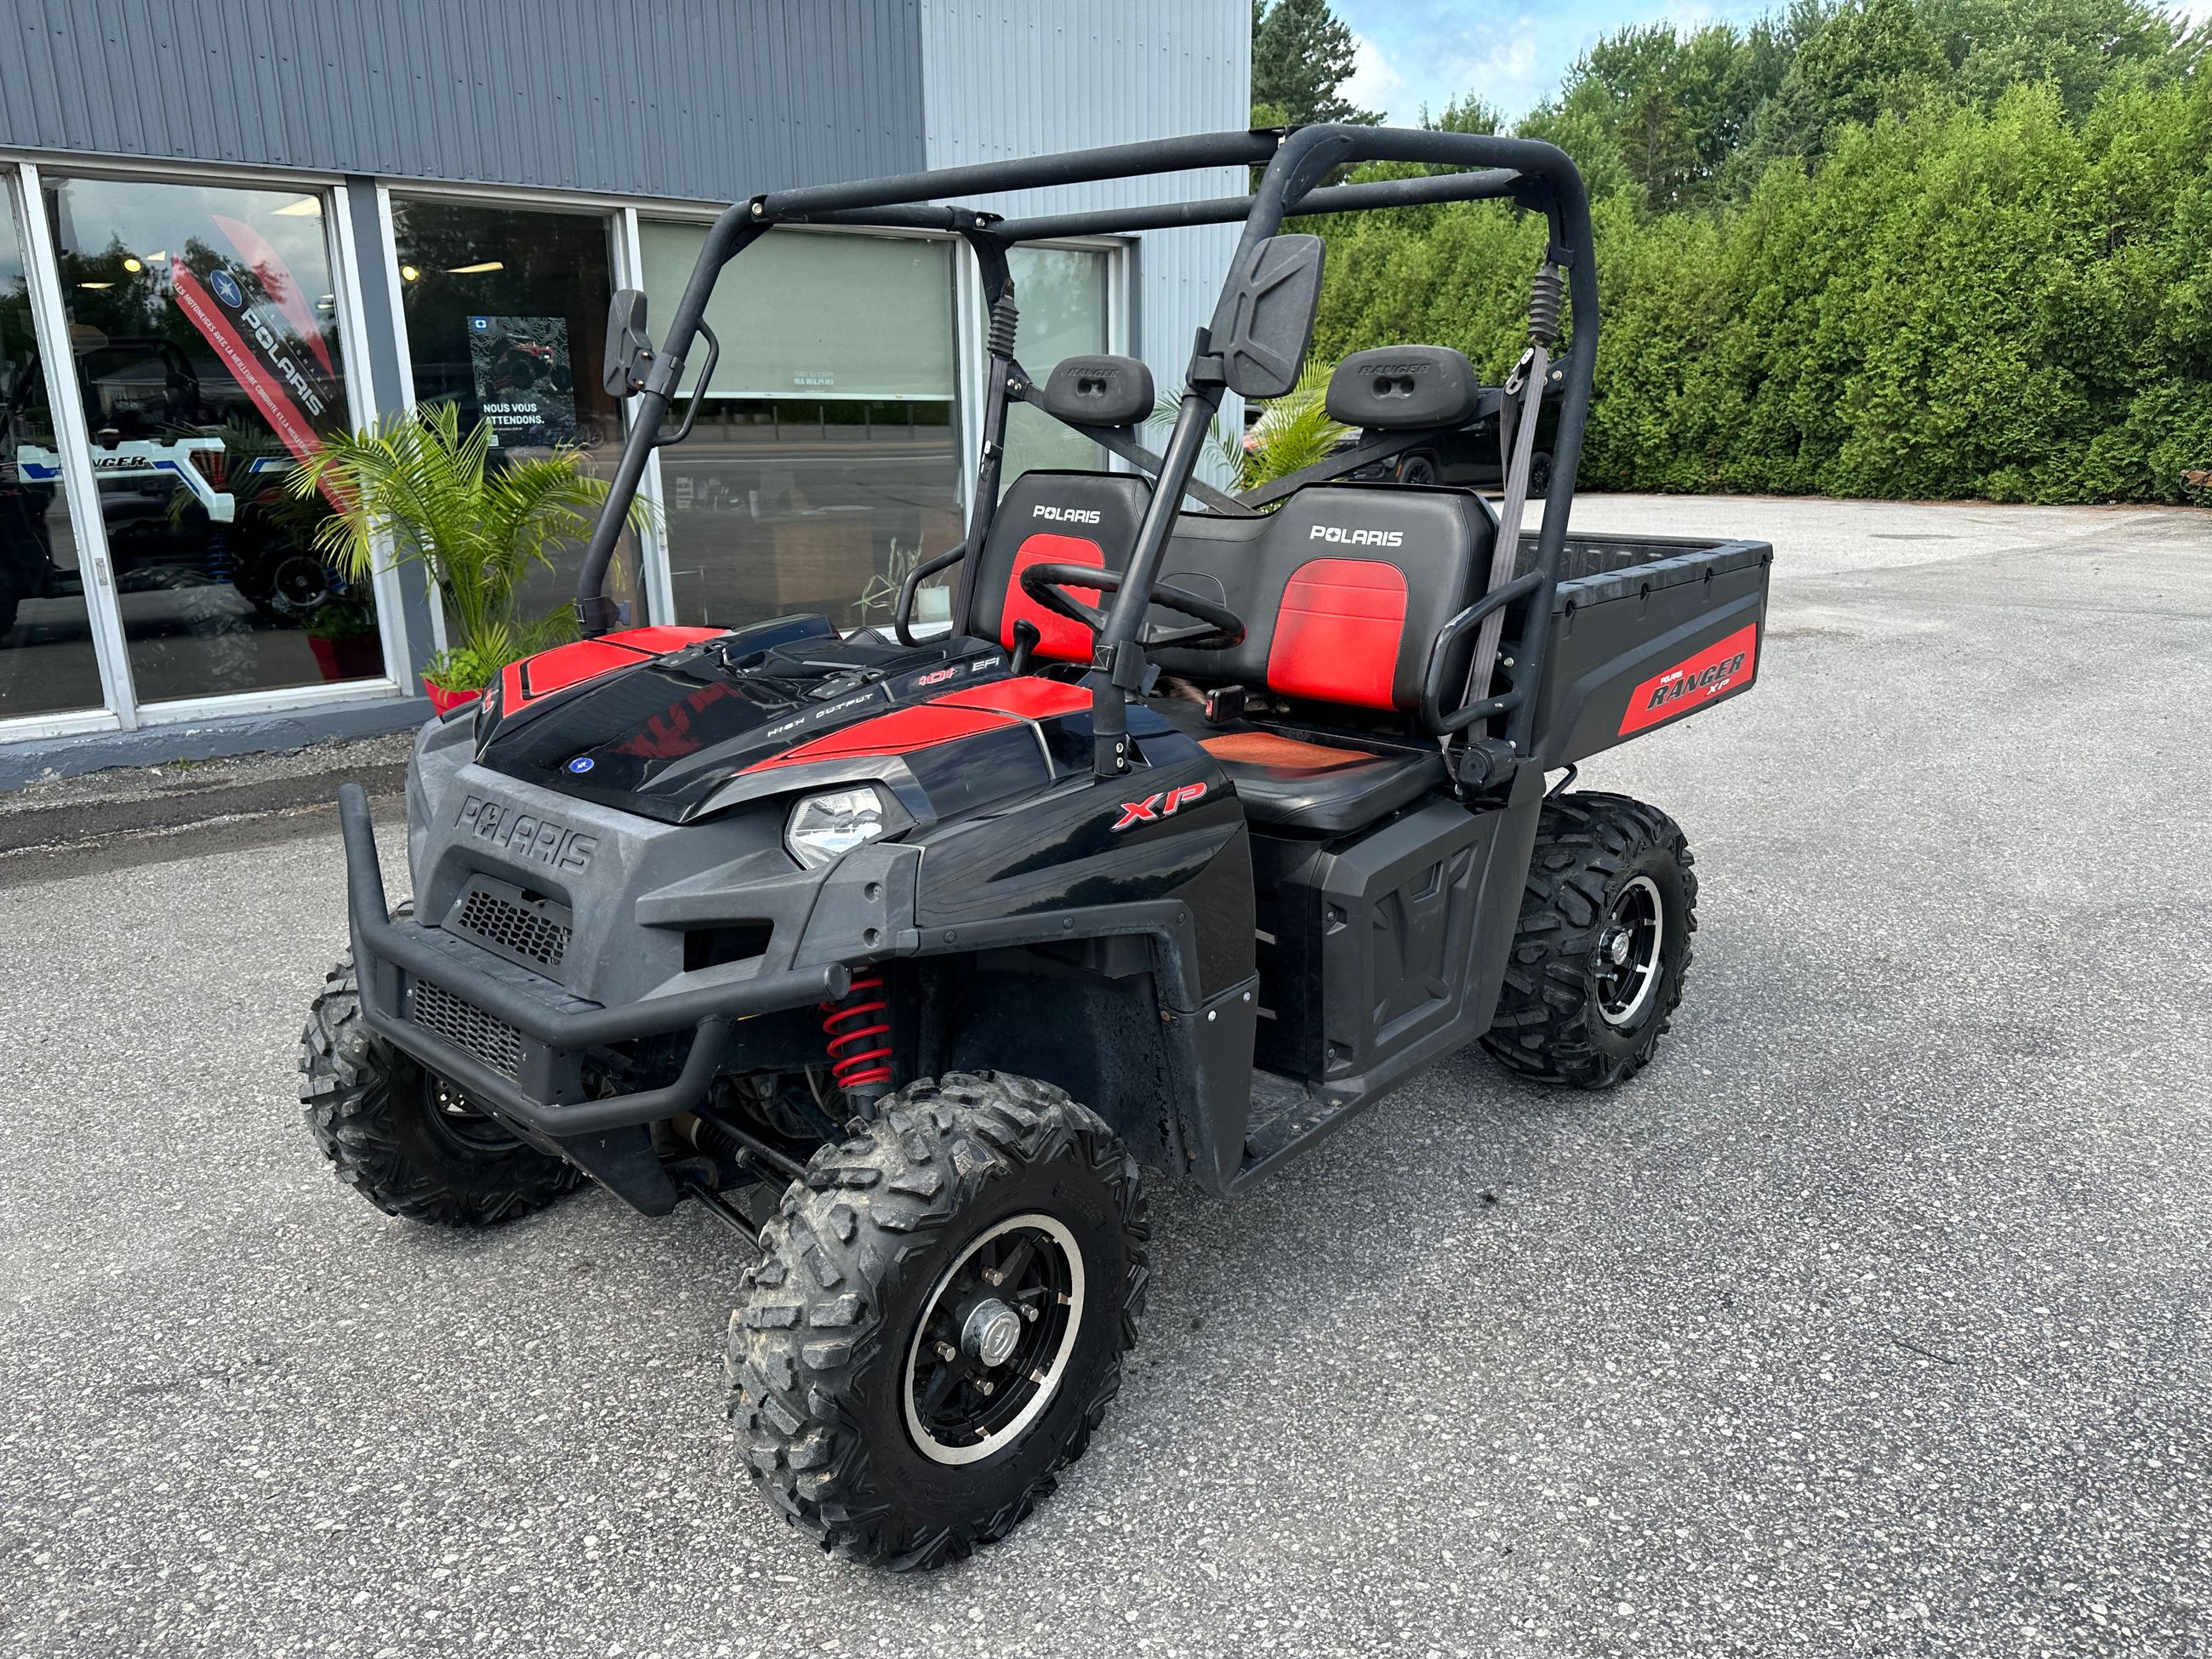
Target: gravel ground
pixel 1872 1320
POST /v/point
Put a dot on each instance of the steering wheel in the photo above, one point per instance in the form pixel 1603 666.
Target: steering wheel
pixel 1218 627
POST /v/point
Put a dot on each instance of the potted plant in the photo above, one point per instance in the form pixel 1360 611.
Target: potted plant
pixel 342 633
pixel 1294 431
pixel 479 528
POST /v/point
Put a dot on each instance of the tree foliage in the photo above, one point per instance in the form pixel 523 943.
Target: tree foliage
pixel 1301 55
pixel 1908 248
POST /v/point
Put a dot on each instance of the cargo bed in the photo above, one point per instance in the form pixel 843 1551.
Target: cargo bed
pixel 1646 630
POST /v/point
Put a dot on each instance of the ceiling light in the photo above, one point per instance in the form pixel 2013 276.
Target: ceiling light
pixel 477 269
pixel 408 273
pixel 131 264
pixel 308 207
pixel 95 285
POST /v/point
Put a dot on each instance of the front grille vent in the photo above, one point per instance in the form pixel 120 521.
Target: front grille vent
pixel 522 933
pixel 467 1027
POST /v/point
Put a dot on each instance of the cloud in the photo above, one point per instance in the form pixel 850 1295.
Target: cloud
pixel 1376 82
pixel 1444 56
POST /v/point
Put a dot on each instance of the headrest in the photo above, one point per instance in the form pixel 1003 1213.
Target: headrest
pixel 1398 388
pixel 1100 391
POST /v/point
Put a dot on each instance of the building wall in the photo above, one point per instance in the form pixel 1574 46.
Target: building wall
pixel 1002 79
pixel 610 107
pixel 709 100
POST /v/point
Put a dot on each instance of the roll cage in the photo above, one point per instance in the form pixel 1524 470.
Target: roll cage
pixel 1225 356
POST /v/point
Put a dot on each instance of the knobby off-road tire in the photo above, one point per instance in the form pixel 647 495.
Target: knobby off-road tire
pixel 1603 866
pixel 406 1141
pixel 826 1348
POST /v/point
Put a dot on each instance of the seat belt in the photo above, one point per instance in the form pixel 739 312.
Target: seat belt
pixel 1517 440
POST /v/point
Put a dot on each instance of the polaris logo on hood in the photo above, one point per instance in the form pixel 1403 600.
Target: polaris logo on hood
pixel 1329 532
pixel 1068 514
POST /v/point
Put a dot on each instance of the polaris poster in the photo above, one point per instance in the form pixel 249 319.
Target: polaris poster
pixel 263 329
pixel 523 384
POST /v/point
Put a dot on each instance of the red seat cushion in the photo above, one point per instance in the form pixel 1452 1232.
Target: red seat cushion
pixel 1059 638
pixel 1338 632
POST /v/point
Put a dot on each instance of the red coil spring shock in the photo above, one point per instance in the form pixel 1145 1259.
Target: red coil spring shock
pixel 859 1029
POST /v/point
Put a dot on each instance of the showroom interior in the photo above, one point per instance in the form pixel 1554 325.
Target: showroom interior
pixel 178 328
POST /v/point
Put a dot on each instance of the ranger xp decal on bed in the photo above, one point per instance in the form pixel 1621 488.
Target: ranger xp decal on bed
pixel 1694 682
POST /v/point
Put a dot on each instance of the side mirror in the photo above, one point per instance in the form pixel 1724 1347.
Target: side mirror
pixel 630 347
pixel 1267 316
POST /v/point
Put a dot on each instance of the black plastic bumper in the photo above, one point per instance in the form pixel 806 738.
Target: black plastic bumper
pixel 384 951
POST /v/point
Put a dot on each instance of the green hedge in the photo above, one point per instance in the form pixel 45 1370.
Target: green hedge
pixel 1960 303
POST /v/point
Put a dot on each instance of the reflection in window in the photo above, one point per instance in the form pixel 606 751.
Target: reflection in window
pixel 506 316
pixel 825 462
pixel 1061 295
pixel 204 326
pixel 46 659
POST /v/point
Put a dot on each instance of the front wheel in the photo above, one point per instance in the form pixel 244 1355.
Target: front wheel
pixel 937 1320
pixel 410 1142
pixel 1603 942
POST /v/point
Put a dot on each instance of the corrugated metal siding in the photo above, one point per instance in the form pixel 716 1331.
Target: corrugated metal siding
pixel 701 99
pixel 1008 78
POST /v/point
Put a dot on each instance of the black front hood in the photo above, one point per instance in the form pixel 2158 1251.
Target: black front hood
pixel 657 740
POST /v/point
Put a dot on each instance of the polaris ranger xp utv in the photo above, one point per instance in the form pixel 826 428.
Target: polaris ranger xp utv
pixel 1200 829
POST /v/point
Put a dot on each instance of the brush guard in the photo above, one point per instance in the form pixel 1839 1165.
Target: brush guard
pixel 537 1084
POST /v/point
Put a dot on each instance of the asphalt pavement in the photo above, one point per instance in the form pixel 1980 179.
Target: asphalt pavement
pixel 1875 1318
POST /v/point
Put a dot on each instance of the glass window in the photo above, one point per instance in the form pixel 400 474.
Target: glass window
pixel 204 329
pixel 47 659
pixel 506 316
pixel 826 462
pixel 1061 295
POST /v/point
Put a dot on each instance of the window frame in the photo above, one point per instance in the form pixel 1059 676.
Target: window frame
pixel 969 330
pixel 27 171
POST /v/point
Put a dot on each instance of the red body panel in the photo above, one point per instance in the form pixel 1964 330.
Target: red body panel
pixel 565 665
pixel 658 640
pixel 1690 684
pixel 1338 632
pixel 1030 698
pixel 899 732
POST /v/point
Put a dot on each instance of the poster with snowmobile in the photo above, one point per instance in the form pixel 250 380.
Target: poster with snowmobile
pixel 523 383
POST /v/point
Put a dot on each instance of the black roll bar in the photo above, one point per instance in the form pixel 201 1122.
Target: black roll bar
pixel 1536 176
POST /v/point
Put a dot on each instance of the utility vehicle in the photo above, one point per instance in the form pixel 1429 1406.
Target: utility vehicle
pixel 1200 830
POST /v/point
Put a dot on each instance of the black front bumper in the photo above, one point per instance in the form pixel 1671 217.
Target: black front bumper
pixel 550 1032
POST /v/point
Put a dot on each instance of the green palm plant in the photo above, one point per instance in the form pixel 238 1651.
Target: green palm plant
pixel 1296 430
pixel 480 529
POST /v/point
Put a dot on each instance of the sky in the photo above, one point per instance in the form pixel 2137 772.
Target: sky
pixel 1512 52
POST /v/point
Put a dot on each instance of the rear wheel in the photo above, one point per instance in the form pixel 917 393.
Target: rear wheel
pixel 406 1141
pixel 1603 945
pixel 1417 470
pixel 937 1320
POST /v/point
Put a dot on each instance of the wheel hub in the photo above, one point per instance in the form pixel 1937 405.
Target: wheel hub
pixel 1626 962
pixel 462 1121
pixel 995 1339
pixel 990 1332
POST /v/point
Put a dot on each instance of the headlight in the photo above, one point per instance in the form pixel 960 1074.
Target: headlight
pixel 824 827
